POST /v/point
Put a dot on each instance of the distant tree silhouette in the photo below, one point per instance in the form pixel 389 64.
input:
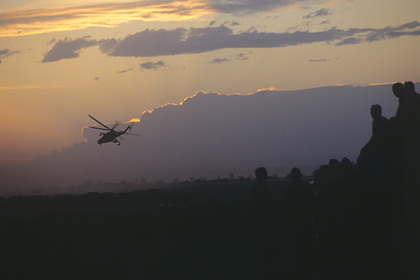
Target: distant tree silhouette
pixel 231 176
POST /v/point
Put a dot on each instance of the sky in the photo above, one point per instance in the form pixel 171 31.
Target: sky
pixel 212 135
pixel 61 61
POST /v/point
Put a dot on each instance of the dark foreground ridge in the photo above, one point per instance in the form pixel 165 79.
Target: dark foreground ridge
pixel 347 221
pixel 200 231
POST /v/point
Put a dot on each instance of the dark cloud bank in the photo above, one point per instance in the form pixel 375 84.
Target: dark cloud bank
pixel 214 135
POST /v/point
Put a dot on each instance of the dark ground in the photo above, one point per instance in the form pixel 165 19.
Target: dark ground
pixel 197 231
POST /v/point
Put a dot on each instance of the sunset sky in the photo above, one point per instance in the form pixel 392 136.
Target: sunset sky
pixel 62 60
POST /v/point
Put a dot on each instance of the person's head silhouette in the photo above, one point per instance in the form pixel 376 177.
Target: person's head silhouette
pixel 398 89
pixel 261 173
pixel 409 86
pixel 295 174
pixel 376 111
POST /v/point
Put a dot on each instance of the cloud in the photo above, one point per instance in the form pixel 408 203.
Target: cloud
pixel 319 60
pixel 253 6
pixel 6 53
pixel 410 28
pixel 199 40
pixel 239 56
pixel 319 13
pixel 162 42
pixel 152 65
pixel 52 41
pixel 68 49
pixel 372 35
pixel 220 60
pixel 349 41
pixel 38 21
pixel 124 71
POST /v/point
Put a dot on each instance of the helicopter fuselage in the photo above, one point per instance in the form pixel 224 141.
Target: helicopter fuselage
pixel 110 137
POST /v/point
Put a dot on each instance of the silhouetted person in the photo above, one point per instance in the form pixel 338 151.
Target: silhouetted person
pixel 396 123
pixel 410 123
pixel 406 129
pixel 300 202
pixel 412 95
pixel 408 106
pixel 380 128
pixel 398 90
pixel 263 215
pixel 412 119
pixel 375 156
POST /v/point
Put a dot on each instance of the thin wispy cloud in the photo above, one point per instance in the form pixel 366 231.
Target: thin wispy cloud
pixel 318 13
pixel 372 35
pixel 219 60
pixel 162 42
pixel 7 52
pixel 38 21
pixel 319 60
pixel 252 6
pixel 349 41
pixel 124 71
pixel 29 87
pixel 52 41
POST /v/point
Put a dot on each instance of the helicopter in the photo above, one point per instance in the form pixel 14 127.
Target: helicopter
pixel 112 134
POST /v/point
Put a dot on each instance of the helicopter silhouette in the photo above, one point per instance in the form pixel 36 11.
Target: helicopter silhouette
pixel 112 134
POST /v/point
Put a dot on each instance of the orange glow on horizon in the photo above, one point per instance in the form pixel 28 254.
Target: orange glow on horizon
pixel 38 21
pixel 380 84
pixel 23 87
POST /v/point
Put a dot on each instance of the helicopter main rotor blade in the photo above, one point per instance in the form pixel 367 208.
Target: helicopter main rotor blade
pixel 134 134
pixel 115 125
pixel 99 122
pixel 100 128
